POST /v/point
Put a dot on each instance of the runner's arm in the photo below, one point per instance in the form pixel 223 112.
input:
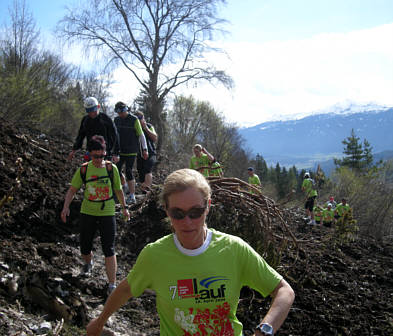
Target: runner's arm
pixel 150 132
pixel 209 156
pixel 283 297
pixel 67 201
pixel 120 197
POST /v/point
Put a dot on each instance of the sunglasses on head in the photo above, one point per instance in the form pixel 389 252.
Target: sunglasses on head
pixel 97 156
pixel 193 213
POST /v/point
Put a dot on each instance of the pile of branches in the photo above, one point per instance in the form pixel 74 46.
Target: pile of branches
pixel 241 209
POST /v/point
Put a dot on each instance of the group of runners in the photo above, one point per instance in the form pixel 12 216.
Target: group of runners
pixel 196 272
pixel 328 213
pixel 122 141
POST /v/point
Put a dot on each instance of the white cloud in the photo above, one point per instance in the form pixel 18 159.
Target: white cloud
pixel 282 78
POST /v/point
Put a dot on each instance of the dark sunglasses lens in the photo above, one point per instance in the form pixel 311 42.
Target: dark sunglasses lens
pixel 196 213
pixel 95 156
pixel 176 213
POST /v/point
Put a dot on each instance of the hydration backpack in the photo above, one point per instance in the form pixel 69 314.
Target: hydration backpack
pixel 109 170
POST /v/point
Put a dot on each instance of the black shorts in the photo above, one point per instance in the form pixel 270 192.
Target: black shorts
pixel 89 225
pixel 145 166
pixel 310 203
pixel 129 161
pixel 327 224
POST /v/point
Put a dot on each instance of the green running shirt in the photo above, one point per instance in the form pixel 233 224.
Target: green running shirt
pixel 97 190
pixel 202 161
pixel 198 295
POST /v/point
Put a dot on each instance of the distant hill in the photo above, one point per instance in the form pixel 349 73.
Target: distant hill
pixel 318 138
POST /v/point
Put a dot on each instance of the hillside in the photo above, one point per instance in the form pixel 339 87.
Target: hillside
pixel 317 138
pixel 341 288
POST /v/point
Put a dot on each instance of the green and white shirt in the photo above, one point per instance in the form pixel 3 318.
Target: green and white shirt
pixel 198 290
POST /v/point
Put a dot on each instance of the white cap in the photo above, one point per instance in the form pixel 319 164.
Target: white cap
pixel 91 104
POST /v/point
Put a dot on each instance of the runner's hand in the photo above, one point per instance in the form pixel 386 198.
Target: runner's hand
pixel 145 154
pixel 126 214
pixel 115 158
pixel 64 214
pixel 94 328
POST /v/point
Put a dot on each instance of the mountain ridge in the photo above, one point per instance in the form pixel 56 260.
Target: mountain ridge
pixel 317 138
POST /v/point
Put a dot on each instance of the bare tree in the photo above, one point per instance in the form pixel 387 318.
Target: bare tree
pixel 163 43
pixel 20 41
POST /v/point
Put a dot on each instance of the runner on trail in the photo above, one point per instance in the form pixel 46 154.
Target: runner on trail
pixel 328 216
pixel 98 207
pixel 145 167
pixel 131 137
pixel 215 169
pixel 311 194
pixel 332 202
pixel 318 213
pixel 201 160
pixel 197 273
pixel 341 209
pixel 95 123
pixel 253 179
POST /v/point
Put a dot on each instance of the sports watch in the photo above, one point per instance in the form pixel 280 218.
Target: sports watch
pixel 265 329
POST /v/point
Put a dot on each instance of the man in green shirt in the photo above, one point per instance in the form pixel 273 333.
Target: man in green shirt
pixel 318 210
pixel 215 169
pixel 328 216
pixel 341 209
pixel 253 179
pixel 311 194
pixel 201 160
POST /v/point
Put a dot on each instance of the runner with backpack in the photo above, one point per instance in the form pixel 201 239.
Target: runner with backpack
pixel 101 180
pixel 131 136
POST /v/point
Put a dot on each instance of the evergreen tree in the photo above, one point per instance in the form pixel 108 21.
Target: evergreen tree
pixel 356 156
pixel 261 167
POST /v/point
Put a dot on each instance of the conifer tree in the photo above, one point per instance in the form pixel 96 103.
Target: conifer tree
pixel 356 156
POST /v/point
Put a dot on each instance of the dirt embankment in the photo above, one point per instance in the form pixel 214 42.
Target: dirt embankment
pixel 341 289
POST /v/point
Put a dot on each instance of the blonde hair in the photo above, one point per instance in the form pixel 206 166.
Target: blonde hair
pixel 182 179
pixel 198 146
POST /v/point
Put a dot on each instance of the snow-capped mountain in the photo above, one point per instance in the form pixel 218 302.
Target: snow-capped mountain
pixel 318 137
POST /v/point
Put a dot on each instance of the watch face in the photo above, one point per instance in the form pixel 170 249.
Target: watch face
pixel 267 329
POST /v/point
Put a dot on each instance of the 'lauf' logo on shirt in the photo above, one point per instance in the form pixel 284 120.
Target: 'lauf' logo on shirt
pixel 206 289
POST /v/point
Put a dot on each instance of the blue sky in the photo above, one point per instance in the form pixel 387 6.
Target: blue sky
pixel 288 58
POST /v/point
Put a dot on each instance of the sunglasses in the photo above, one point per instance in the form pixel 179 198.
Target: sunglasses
pixel 140 117
pixel 121 109
pixel 193 213
pixel 97 156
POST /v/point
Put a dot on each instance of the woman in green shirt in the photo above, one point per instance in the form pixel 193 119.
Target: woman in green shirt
pixel 98 207
pixel 197 273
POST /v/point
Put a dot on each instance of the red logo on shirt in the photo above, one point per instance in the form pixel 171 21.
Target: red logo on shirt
pixel 185 288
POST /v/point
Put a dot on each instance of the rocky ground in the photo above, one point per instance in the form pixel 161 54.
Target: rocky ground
pixel 342 288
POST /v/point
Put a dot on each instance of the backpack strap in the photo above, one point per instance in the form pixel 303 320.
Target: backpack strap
pixel 83 172
pixel 109 169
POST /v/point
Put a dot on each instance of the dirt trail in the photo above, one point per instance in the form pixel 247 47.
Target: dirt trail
pixel 341 289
